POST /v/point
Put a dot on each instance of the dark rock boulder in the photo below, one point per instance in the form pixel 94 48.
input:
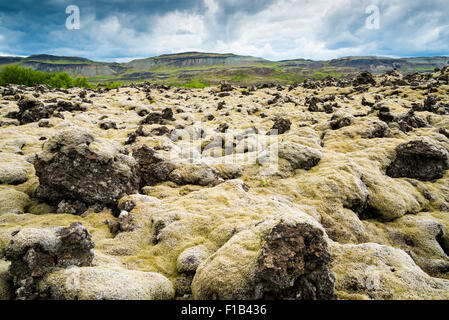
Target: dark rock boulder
pixel 153 167
pixel 132 137
pixel 338 122
pixel 419 160
pixel 280 126
pixel 35 252
pixel 376 129
pixel 364 78
pixel 76 167
pixel 385 114
pixel 159 117
pixel 312 103
pixel 108 124
pixel 32 110
pixel 225 86
pixel 407 122
pixel 294 264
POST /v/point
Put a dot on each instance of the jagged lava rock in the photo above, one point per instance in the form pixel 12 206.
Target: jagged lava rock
pixel 36 252
pixel 280 257
pixel 74 166
pixel 419 160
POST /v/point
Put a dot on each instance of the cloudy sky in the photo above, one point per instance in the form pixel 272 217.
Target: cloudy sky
pixel 120 30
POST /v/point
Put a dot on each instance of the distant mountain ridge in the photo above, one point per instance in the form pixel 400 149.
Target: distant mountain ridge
pixel 189 65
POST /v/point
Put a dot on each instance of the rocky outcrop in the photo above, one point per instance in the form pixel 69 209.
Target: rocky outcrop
pixel 291 261
pixel 36 252
pixel 153 167
pixel 33 110
pixel 280 126
pixel 74 166
pixel 294 264
pixel 419 160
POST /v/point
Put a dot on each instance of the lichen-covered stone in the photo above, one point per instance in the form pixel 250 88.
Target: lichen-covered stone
pixel 200 174
pixel 35 252
pixel 299 157
pixel 14 169
pixel 6 288
pixel 13 201
pixel 99 283
pixel 373 271
pixel 189 259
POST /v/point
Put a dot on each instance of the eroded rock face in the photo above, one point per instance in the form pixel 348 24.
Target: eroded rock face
pixel 419 160
pixel 35 252
pixel 294 264
pixel 76 167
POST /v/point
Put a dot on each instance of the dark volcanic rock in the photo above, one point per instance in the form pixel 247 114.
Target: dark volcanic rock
pixel 152 166
pixel 132 137
pixel 160 131
pixel 364 77
pixel 76 167
pixel 64 105
pixel 340 122
pixel 32 110
pixel 407 122
pixel 312 103
pixel 159 117
pixel 35 252
pixel 294 264
pixel 108 124
pixel 71 207
pixel 376 129
pixel 385 115
pixel 419 160
pixel 281 125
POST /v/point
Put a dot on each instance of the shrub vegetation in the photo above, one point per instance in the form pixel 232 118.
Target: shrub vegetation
pixel 29 77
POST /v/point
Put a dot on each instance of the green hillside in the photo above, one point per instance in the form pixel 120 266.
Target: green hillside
pixel 210 68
